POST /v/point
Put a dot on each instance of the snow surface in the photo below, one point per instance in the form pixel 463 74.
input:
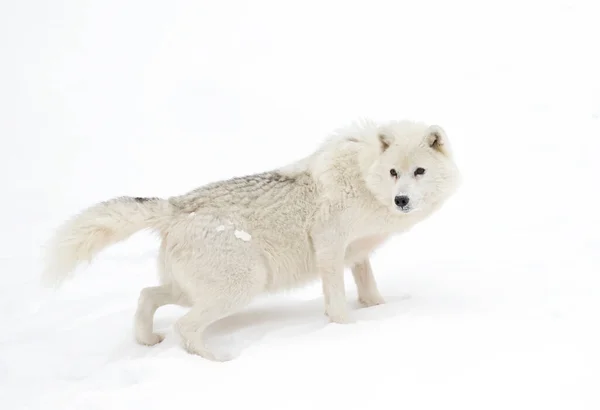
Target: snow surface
pixel 493 303
pixel 242 235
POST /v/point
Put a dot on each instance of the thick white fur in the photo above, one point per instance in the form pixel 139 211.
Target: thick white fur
pixel 227 242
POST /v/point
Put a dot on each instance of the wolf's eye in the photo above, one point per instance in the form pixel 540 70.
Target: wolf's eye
pixel 419 171
pixel 393 173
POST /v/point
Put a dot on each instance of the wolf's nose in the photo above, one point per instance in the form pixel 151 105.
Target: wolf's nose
pixel 401 201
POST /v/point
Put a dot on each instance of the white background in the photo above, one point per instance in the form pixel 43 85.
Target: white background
pixel 492 303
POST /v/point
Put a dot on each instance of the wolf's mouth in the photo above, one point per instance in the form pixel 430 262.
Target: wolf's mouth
pixel 407 209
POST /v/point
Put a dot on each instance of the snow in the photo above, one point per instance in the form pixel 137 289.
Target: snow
pixel 243 235
pixel 492 303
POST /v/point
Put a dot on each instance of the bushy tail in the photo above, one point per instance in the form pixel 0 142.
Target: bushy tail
pixel 83 236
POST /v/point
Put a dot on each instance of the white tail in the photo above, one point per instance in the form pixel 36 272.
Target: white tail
pixel 83 236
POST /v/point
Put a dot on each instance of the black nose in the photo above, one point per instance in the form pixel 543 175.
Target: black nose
pixel 401 201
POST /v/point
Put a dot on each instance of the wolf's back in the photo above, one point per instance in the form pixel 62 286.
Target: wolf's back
pixel 84 235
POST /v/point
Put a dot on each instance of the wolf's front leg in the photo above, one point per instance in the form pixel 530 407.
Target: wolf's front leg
pixel 332 276
pixel 368 294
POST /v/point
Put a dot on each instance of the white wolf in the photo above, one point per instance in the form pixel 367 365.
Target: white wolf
pixel 227 242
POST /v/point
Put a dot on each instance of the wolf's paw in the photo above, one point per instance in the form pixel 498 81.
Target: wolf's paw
pixel 199 349
pixel 150 339
pixel 339 317
pixel 341 320
pixel 212 356
pixel 371 300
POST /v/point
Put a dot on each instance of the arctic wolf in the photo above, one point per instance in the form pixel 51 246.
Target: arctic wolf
pixel 229 241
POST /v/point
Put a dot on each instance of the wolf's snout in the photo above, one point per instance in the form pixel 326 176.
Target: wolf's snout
pixel 401 201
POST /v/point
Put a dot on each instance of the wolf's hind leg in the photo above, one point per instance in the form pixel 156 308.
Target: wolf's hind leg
pixel 192 325
pixel 149 301
pixel 225 291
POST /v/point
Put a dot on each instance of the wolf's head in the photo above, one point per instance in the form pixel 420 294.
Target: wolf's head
pixel 410 166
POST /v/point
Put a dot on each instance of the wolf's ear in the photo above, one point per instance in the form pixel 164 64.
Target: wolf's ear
pixel 435 137
pixel 385 141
